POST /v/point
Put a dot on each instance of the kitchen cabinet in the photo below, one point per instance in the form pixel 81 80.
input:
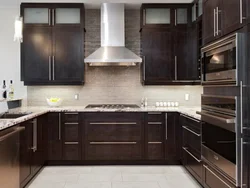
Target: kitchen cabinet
pixel 167 58
pixel 246 162
pixel 52 51
pixel 157 50
pixel 155 135
pixel 191 146
pixel 113 136
pixel 64 137
pixel 32 148
pixel 222 17
pixel 173 138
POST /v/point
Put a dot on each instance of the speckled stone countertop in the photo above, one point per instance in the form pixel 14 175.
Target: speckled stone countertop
pixel 37 111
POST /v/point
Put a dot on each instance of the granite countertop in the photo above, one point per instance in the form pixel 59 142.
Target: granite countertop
pixel 37 111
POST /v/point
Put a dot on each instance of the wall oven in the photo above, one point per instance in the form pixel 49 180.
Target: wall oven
pixel 219 145
pixel 220 61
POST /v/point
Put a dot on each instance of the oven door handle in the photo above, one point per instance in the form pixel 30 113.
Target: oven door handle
pixel 224 120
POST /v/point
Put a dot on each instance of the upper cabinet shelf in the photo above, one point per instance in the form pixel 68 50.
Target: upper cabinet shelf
pixel 52 14
pixel 164 15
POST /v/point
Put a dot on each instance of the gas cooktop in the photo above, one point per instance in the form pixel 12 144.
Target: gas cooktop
pixel 112 106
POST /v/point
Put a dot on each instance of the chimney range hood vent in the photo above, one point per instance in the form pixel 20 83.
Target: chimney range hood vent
pixel 112 51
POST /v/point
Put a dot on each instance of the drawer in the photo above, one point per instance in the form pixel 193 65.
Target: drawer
pixel 70 117
pixel 155 132
pixel 213 179
pixel 192 163
pixel 191 139
pixel 113 131
pixel 155 151
pixel 71 132
pixel 191 123
pixel 113 151
pixel 155 117
pixel 71 151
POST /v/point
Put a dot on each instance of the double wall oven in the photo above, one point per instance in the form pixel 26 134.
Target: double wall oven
pixel 222 109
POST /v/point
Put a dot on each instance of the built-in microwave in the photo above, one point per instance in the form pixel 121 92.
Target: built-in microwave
pixel 219 61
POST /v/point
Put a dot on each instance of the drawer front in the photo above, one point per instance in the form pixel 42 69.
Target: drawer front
pixel 191 140
pixel 155 132
pixel 191 123
pixel 70 117
pixel 71 132
pixel 113 131
pixel 155 151
pixel 71 151
pixel 214 179
pixel 192 163
pixel 114 151
pixel 155 117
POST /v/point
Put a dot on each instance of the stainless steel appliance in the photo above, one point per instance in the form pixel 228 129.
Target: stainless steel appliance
pixel 9 157
pixel 220 60
pixel 112 106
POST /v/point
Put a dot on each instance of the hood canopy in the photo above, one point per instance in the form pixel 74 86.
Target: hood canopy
pixel 112 51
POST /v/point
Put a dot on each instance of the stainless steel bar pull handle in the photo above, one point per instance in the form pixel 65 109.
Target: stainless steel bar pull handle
pixel 49 67
pixel 34 147
pixel 214 23
pixel 144 68
pixel 241 12
pixel 176 67
pixel 217 18
pixel 175 12
pixel 224 120
pixel 186 149
pixel 59 126
pixel 53 64
pixel 166 122
pixel 189 130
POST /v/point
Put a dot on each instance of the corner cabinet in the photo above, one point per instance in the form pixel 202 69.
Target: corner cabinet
pixel 222 17
pixel 169 55
pixel 52 52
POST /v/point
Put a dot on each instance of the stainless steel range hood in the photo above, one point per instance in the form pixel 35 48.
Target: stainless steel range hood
pixel 112 51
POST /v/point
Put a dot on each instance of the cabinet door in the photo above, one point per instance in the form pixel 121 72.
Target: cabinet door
pixel 156 17
pixel 173 137
pixel 157 49
pixel 54 136
pixel 36 16
pixel 36 54
pixel 186 63
pixel 39 131
pixel 26 138
pixel 209 20
pixel 155 136
pixel 232 15
pixel 67 64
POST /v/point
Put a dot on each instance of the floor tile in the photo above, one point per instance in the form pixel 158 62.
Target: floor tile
pixel 143 177
pixel 135 185
pixel 46 185
pixel 83 184
pixel 142 170
pixel 104 177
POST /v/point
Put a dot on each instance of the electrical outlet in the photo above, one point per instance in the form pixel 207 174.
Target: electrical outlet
pixel 76 96
pixel 187 97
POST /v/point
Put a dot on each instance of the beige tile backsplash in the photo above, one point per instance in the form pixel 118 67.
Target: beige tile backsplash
pixel 113 84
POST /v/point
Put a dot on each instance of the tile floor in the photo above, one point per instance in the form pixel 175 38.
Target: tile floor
pixel 114 177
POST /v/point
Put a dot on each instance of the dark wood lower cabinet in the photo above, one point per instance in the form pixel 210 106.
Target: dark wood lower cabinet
pixel 33 148
pixel 113 136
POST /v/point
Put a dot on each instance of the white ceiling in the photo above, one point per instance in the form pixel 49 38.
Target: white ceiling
pixel 94 3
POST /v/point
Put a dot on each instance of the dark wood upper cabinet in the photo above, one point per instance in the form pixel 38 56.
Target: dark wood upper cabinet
pixel 157 50
pixel 67 63
pixel 36 51
pixel 222 17
pixel 169 53
pixel 52 52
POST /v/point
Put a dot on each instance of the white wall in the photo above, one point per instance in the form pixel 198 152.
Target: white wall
pixel 10 53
